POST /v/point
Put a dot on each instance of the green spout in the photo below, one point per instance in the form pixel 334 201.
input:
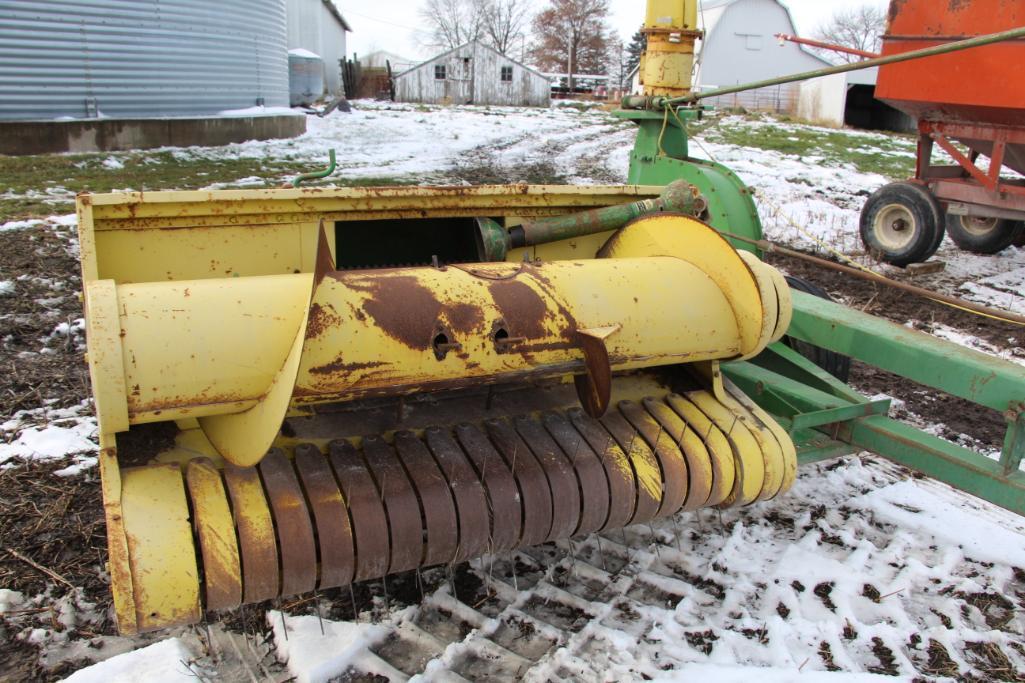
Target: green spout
pixel 313 175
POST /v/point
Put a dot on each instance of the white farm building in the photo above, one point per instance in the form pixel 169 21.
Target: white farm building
pixel 473 74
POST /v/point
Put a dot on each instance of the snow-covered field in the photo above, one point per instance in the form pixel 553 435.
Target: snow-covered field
pixel 861 571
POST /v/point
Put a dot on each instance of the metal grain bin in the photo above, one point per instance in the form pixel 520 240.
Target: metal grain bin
pixel 305 77
pixel 140 58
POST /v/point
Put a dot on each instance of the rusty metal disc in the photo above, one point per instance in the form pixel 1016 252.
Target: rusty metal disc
pixel 369 522
pixel 618 471
pixel 503 496
pixel 256 538
pixel 646 469
pixel 699 465
pixel 670 459
pixel 292 522
pixel 212 520
pixel 334 532
pixel 594 484
pixel 467 491
pixel 405 521
pixel 535 493
pixel 435 499
pixel 561 477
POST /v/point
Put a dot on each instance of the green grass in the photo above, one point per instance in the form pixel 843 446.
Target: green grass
pixel 886 154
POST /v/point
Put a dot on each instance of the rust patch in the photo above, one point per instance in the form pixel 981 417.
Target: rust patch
pixel 464 317
pixel 321 318
pixel 402 307
pixel 521 306
pixel 339 366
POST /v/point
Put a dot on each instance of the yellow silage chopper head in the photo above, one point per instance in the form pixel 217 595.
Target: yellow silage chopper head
pixel 283 409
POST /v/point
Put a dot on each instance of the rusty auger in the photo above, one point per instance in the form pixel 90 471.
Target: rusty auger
pixel 341 425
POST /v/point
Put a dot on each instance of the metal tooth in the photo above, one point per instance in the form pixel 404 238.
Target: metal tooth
pixel 670 459
pixel 211 516
pixel 405 523
pixel 330 514
pixel 502 493
pixel 467 491
pixel 747 455
pixel 292 523
pixel 369 523
pixel 618 471
pixel 535 492
pixel 257 543
pixel 594 484
pixel 699 465
pixel 561 477
pixel 724 471
pixel 645 467
pixel 435 499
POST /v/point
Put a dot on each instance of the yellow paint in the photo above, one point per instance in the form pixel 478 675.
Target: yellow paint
pixel 782 437
pixel 222 569
pixel 724 470
pixel 165 577
pixel 772 453
pixel 750 464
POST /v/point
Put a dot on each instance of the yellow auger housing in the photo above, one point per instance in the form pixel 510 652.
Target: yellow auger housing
pixel 298 389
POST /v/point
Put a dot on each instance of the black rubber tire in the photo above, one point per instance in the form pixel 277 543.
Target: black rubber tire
pixel 984 235
pixel 910 206
pixel 836 364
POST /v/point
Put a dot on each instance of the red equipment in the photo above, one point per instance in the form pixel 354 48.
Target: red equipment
pixel 974 97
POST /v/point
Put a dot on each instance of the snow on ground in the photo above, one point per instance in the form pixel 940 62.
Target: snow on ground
pixel 859 568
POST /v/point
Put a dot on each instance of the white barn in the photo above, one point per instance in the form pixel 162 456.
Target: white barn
pixel 740 46
pixel 318 26
pixel 473 74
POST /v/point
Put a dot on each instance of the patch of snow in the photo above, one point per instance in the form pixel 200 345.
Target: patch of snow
pixel 6 287
pixel 10 600
pixel 313 657
pixel 166 661
pixel 723 673
pixel 261 110
pixel 113 163
pixel 53 442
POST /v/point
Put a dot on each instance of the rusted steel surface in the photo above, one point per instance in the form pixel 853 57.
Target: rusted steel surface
pixel 647 473
pixel 670 460
pixel 369 523
pixel 534 490
pixel 561 477
pixel 257 543
pixel 292 522
pixel 331 516
pixel 716 444
pixel 211 517
pixel 594 387
pixel 467 491
pixel 405 523
pixel 500 486
pixel 983 84
pixel 618 470
pixel 594 485
pixel 439 512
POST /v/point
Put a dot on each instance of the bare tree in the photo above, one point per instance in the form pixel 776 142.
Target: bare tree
pixel 572 35
pixel 451 23
pixel 504 22
pixel 859 27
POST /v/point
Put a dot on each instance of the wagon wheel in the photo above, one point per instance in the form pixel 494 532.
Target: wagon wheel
pixel 901 223
pixel 984 234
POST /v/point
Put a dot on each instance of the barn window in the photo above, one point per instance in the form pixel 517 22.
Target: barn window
pixel 507 74
pixel 439 72
pixel 752 41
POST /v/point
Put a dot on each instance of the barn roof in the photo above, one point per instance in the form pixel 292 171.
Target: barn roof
pixel 460 47
pixel 333 9
pixel 711 11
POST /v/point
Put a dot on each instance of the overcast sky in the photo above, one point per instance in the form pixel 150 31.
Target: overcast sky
pixel 392 24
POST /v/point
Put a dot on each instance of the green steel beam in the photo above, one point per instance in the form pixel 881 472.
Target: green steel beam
pixel 922 358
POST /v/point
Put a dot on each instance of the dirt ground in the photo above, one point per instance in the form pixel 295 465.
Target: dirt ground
pixel 53 532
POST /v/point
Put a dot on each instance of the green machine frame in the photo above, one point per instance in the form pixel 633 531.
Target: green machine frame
pixel 826 417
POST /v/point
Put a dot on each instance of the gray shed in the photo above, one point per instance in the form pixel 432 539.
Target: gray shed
pixel 740 46
pixel 319 27
pixel 473 74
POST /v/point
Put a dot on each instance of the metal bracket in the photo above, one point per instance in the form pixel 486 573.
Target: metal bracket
pixel 1014 441
pixel 828 416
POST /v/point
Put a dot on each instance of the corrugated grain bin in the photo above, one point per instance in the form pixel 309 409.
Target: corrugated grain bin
pixel 305 77
pixel 140 58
